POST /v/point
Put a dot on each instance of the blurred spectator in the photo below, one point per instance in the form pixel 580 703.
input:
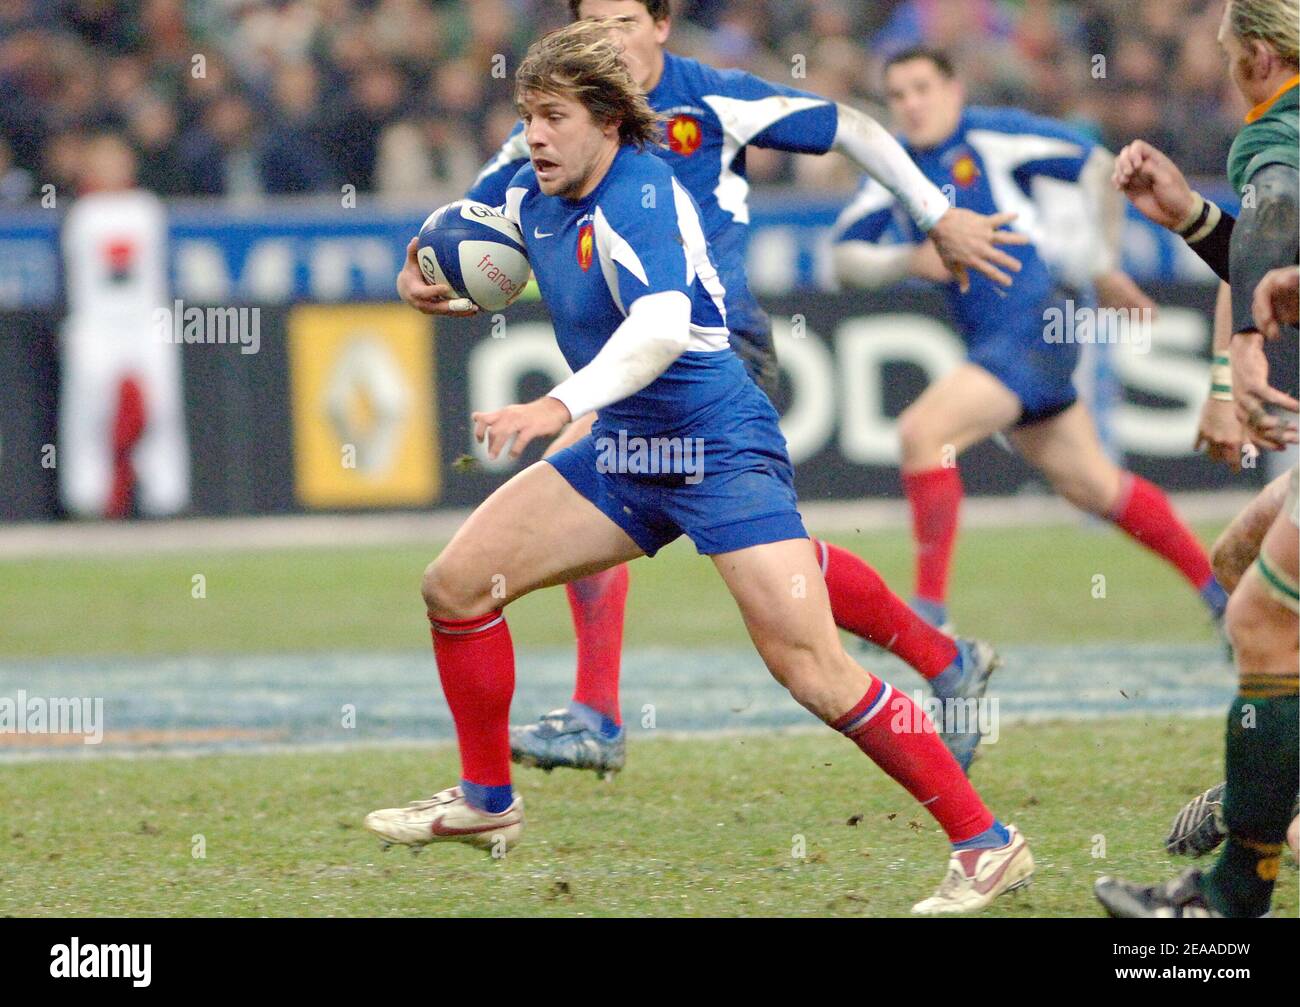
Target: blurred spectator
pixel 239 97
pixel 152 129
pixel 233 155
pixel 16 183
pixel 375 99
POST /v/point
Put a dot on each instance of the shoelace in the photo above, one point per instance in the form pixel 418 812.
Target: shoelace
pixel 952 881
pixel 430 802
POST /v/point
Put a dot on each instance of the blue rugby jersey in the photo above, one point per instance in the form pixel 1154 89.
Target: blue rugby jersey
pixel 711 117
pixel 639 232
pixel 988 165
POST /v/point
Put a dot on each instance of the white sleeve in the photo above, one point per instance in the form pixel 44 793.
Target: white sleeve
pixel 868 144
pixel 870 266
pixel 1106 205
pixel 655 332
pixel 514 199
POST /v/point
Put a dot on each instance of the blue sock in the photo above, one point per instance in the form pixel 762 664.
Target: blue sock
pixel 945 683
pixel 994 836
pixel 933 612
pixel 1215 597
pixel 594 720
pixel 493 800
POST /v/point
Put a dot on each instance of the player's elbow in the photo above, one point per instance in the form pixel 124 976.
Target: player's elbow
pixel 855 266
pixel 854 126
pixel 667 318
pixel 842 265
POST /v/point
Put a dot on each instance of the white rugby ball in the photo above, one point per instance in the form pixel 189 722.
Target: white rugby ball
pixel 476 251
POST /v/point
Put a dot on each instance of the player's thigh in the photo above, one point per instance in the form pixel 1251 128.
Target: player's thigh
pixel 965 406
pixel 533 532
pixel 1068 451
pixel 571 434
pixel 1262 620
pixel 782 598
pixel 1238 545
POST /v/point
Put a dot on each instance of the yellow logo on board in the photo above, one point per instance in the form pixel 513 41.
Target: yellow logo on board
pixel 364 428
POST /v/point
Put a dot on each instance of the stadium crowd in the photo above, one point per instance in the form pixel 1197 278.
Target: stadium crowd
pixel 244 98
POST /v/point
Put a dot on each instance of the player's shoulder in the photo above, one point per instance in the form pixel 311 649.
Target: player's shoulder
pixel 704 80
pixel 638 192
pixel 1010 120
pixel 632 170
pixel 685 73
pixel 525 178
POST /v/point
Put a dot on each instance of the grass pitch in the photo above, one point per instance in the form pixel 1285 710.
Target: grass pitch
pixel 698 825
pixel 1010 585
pixel 704 826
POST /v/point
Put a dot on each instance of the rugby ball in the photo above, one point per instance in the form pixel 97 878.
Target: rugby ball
pixel 475 250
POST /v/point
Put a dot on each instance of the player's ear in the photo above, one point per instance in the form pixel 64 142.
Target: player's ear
pixel 663 28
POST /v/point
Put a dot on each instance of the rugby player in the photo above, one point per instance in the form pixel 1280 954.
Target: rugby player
pixel 712 118
pixel 1262 42
pixel 1018 376
pixel 639 312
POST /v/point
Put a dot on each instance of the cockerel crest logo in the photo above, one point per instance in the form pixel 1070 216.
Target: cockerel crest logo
pixel 684 135
pixel 586 245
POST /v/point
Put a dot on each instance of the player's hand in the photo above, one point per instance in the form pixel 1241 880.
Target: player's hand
pixel 1116 289
pixel 1154 184
pixel 967 240
pixel 1252 394
pixel 1220 433
pixel 430 298
pixel 544 417
pixel 1277 301
pixel 926 264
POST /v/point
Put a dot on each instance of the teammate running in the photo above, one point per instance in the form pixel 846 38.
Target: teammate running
pixel 1262 42
pixel 1018 376
pixel 639 313
pixel 712 117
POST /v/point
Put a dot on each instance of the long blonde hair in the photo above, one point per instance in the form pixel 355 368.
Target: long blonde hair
pixel 582 62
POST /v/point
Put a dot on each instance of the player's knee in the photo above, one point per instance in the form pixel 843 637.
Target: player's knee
pixel 812 677
pixel 916 441
pixel 450 594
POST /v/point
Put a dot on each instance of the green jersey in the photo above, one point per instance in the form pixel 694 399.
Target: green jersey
pixel 1271 136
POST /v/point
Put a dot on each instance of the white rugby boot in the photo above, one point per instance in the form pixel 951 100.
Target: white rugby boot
pixel 977 877
pixel 448 817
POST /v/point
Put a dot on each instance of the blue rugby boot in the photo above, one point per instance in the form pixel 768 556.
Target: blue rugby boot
pixel 962 695
pixel 563 739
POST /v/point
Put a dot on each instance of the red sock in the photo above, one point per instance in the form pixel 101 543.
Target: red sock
pixel 597 603
pixel 899 738
pixel 863 604
pixel 128 428
pixel 1145 513
pixel 476 662
pixel 935 496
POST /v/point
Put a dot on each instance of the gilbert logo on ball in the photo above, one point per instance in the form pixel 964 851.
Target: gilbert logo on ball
pixel 476 251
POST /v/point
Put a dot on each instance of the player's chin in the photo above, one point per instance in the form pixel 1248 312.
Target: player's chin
pixel 551 184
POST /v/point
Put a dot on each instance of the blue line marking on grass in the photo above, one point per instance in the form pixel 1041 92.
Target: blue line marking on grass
pixel 305 699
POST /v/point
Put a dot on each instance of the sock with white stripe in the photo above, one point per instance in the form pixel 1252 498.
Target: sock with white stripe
pixel 476 663
pixel 898 737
